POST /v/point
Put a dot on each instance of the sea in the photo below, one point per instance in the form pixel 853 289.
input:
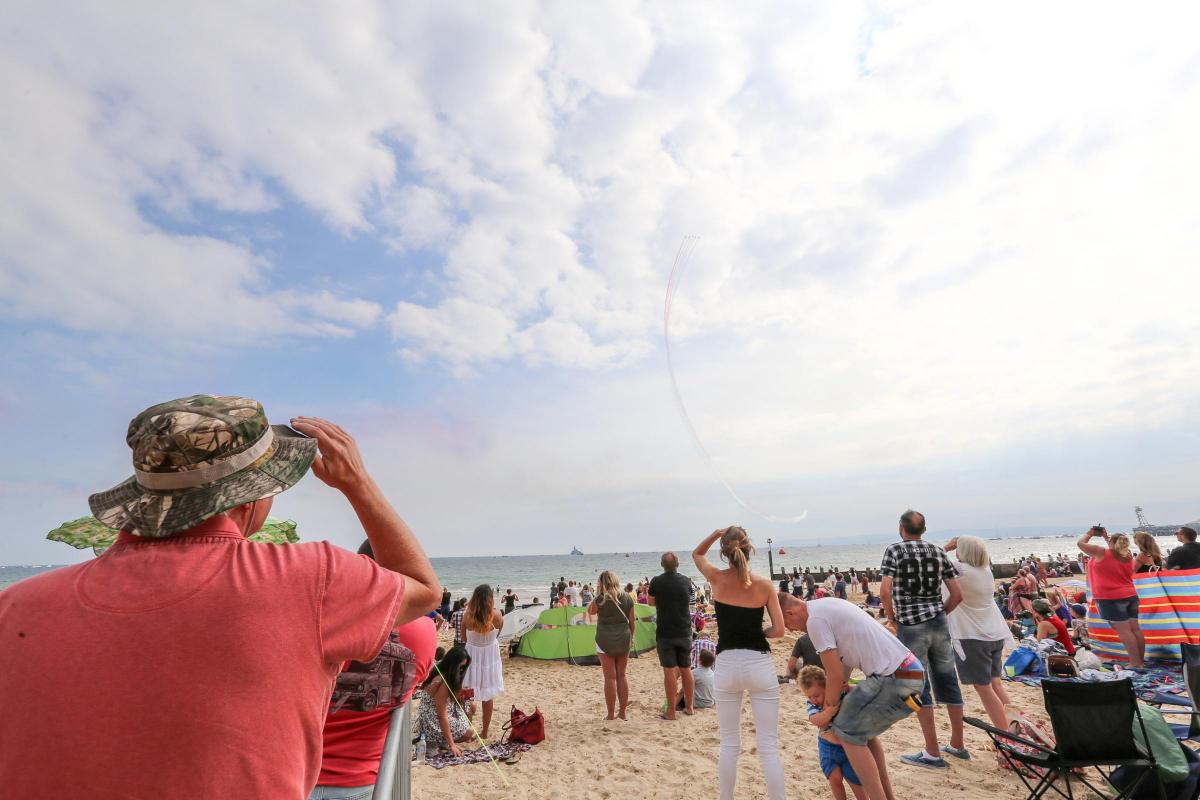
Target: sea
pixel 530 576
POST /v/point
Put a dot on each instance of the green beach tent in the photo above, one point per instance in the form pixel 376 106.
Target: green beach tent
pixel 561 635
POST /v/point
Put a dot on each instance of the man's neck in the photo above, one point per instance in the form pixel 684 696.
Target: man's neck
pixel 908 537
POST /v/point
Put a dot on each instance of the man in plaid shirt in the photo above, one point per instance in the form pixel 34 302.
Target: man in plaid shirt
pixel 456 620
pixel 702 642
pixel 914 572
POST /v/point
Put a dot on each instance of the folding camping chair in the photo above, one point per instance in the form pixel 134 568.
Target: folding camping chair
pixel 1093 727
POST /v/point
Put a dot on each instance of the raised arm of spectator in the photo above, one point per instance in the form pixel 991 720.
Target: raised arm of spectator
pixel 700 554
pixel 1096 551
pixel 340 465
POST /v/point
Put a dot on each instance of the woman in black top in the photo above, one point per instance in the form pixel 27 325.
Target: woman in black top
pixel 1149 555
pixel 744 663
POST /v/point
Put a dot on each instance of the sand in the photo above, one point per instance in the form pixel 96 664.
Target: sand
pixel 585 756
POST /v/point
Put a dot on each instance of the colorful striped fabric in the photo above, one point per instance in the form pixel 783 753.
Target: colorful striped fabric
pixel 1168 613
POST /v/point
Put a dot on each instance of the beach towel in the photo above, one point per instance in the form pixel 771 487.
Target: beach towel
pixel 1168 613
pixel 478 756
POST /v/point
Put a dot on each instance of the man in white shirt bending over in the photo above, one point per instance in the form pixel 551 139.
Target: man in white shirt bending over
pixel 847 638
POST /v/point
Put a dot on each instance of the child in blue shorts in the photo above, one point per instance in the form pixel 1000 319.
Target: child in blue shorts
pixel 834 762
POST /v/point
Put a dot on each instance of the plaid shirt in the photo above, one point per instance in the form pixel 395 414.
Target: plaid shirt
pixel 917 569
pixel 456 622
pixel 702 644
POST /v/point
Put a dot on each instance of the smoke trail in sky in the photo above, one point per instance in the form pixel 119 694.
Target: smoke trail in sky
pixel 682 257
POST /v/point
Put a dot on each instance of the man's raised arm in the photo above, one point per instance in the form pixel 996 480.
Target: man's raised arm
pixel 396 548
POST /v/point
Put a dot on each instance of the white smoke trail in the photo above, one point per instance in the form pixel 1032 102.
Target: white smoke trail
pixel 686 247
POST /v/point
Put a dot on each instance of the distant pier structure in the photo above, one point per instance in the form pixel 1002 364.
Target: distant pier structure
pixel 1144 525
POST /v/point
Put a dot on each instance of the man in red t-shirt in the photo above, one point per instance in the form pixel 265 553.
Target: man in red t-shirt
pixel 187 661
pixel 353 739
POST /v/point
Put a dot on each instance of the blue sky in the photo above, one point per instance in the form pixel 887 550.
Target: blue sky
pixel 935 268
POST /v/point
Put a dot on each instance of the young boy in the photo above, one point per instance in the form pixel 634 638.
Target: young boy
pixel 834 762
pixel 1079 630
pixel 703 675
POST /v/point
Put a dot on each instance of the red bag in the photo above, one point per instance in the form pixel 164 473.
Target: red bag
pixel 525 728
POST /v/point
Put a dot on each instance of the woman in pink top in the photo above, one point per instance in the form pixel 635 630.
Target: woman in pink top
pixel 1110 575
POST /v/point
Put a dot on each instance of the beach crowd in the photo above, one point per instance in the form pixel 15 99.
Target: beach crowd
pixel 188 662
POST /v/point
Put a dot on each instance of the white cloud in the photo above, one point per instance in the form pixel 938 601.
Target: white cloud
pixel 922 225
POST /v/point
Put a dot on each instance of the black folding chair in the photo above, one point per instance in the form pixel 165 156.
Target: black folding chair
pixel 1093 728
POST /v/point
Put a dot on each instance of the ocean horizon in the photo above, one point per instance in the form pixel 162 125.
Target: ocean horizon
pixel 530 575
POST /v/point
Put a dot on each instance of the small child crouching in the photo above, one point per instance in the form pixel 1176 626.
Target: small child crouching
pixel 834 762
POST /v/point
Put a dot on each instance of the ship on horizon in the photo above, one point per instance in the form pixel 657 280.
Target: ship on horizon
pixel 575 551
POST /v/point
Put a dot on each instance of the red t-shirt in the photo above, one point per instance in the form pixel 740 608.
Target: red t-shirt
pixel 200 665
pixel 1111 578
pixel 354 739
pixel 1061 635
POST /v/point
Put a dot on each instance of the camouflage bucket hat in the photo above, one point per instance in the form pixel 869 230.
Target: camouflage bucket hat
pixel 198 456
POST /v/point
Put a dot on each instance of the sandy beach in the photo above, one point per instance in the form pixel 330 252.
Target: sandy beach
pixel 586 756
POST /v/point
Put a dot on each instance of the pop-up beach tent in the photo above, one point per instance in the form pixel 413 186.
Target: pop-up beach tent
pixel 561 634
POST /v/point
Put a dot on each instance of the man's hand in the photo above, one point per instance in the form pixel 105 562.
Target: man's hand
pixel 950 545
pixel 339 463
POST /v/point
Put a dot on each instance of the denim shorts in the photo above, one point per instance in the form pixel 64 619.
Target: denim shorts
pixel 873 706
pixel 930 642
pixel 1118 610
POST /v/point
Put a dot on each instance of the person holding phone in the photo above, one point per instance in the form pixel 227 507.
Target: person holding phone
pixel 1110 575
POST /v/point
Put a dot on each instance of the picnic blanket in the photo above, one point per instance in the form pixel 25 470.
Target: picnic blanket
pixel 499 752
pixel 1155 683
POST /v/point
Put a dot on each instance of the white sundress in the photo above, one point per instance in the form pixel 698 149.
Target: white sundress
pixel 485 674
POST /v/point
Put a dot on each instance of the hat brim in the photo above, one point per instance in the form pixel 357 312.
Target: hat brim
pixel 155 514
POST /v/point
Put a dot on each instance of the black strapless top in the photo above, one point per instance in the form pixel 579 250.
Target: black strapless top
pixel 740 628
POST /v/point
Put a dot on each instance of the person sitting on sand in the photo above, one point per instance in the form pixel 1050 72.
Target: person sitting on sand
pixel 803 655
pixel 1049 626
pixel 830 754
pixel 848 639
pixel 1079 629
pixel 744 663
pixel 446 710
pixel 614 638
pixel 184 636
pixel 703 678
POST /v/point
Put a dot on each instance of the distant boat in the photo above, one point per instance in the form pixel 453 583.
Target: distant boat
pixel 782 552
pixel 627 555
pixel 575 551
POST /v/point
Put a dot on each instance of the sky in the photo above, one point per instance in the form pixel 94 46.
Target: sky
pixel 945 258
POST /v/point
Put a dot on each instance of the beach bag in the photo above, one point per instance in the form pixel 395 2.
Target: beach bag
pixel 1022 661
pixel 1061 666
pixel 1026 728
pixel 525 728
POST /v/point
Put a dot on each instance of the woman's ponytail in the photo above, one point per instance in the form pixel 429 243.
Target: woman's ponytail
pixel 736 549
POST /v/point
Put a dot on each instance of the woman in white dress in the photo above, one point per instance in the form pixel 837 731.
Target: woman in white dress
pixel 485 675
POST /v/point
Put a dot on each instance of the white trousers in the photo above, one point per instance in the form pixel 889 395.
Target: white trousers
pixel 741 672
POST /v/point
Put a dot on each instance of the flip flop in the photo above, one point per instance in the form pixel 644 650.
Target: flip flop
pixel 513 757
pixel 668 719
